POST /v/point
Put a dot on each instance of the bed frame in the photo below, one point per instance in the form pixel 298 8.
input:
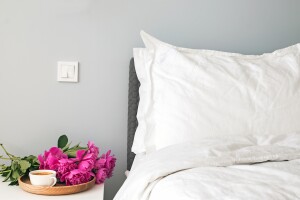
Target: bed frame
pixel 133 102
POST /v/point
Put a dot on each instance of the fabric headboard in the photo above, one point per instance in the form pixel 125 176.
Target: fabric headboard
pixel 133 102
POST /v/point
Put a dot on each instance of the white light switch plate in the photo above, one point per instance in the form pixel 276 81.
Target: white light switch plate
pixel 67 71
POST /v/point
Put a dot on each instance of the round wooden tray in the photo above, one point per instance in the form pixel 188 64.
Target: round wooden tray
pixel 58 189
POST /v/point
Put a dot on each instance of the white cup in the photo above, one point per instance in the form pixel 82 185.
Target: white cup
pixel 43 177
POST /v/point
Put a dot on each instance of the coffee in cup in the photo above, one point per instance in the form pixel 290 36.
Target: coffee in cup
pixel 43 177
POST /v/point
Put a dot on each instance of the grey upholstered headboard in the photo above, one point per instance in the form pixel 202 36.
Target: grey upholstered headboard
pixel 133 102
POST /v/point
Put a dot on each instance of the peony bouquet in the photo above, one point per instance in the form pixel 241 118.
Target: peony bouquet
pixel 79 169
pixel 74 165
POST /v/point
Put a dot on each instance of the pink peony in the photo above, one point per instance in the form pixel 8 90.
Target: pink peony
pixel 78 176
pixel 100 163
pixel 86 161
pixel 110 163
pixel 101 175
pixel 50 159
pixel 64 167
pixel 93 149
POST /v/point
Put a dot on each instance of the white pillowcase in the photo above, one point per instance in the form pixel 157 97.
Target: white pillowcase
pixel 187 95
pixel 140 59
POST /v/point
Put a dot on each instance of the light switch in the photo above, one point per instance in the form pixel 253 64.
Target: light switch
pixel 67 71
pixel 70 71
pixel 64 72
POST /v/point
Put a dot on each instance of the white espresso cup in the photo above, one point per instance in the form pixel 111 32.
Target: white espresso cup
pixel 43 177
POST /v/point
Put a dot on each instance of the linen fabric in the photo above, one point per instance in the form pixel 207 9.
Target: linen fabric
pixel 188 95
pixel 245 167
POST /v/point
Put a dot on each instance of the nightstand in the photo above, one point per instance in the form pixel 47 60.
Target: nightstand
pixel 16 193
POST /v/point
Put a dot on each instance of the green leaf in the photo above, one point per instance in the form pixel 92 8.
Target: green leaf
pixel 7 176
pixel 4 173
pixel 3 167
pixel 71 153
pixel 14 183
pixel 14 165
pixel 30 158
pixel 66 147
pixel 62 141
pixel 15 175
pixel 24 165
pixel 7 170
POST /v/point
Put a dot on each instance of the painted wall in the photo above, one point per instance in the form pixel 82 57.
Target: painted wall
pixel 34 34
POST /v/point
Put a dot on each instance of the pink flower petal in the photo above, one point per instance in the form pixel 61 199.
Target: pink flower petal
pixel 80 154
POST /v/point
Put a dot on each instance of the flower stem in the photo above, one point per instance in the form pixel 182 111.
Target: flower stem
pixel 8 158
pixel 11 157
pixel 4 171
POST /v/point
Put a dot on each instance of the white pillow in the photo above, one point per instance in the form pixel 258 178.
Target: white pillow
pixel 187 95
pixel 140 59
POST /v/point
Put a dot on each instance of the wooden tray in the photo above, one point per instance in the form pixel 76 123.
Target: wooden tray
pixel 58 189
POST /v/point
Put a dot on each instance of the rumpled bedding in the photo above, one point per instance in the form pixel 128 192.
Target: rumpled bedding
pixel 243 167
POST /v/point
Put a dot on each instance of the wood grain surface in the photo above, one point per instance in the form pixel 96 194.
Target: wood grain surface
pixel 58 189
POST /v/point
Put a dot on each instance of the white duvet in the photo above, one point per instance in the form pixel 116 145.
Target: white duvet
pixel 244 167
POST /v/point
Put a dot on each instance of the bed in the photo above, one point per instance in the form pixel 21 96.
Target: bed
pixel 264 165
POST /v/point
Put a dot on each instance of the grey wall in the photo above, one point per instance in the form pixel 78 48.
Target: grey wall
pixel 35 34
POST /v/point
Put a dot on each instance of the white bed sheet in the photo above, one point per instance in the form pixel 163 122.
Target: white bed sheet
pixel 255 182
pixel 137 159
pixel 245 167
